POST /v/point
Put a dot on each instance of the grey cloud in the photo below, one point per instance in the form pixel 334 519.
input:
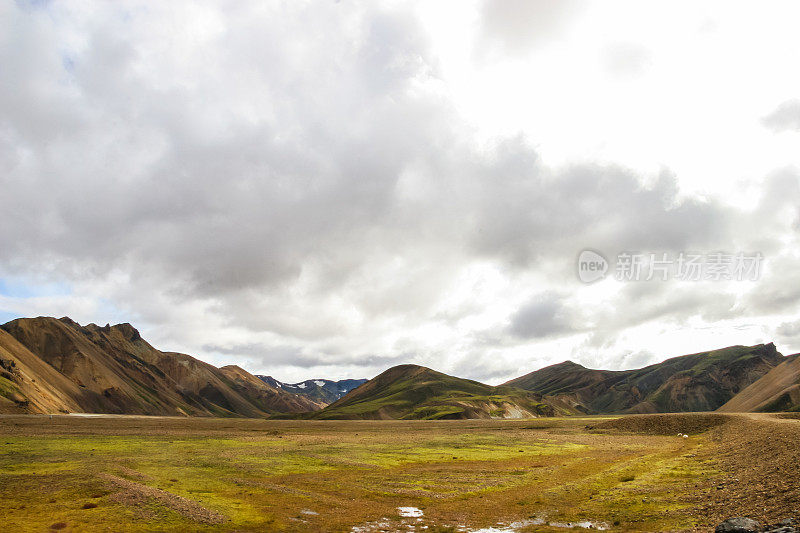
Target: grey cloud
pixel 265 356
pixel 643 302
pixel 485 368
pixel 518 25
pixel 788 334
pixel 640 359
pixel 785 117
pixel 277 355
pixel 640 302
pixel 545 315
pixel 789 329
pixel 779 289
pixel 603 207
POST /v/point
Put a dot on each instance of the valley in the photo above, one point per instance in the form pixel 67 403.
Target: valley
pixel 629 473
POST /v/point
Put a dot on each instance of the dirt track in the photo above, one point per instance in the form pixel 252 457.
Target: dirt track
pixel 760 457
pixel 757 453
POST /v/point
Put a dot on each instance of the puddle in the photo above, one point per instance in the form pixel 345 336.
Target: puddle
pixel 516 526
pixel 585 524
pixel 379 525
pixel 419 524
pixel 510 528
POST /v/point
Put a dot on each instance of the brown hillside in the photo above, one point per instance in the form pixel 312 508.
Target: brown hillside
pixel 63 366
pixel 267 397
pixel 28 384
pixel 778 390
pixel 702 381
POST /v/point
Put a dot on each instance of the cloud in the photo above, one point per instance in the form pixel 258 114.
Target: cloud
pixel 785 117
pixel 779 290
pixel 299 188
pixel 266 358
pixel 543 316
pixel 789 329
pixel 626 59
pixel 516 26
pixel 788 334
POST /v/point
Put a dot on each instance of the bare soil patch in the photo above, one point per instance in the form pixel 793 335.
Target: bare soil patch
pixel 760 458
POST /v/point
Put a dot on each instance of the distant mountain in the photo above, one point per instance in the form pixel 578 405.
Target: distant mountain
pixel 56 365
pixel 572 383
pixel 417 392
pixel 268 397
pixel 697 382
pixel 323 391
pixel 777 390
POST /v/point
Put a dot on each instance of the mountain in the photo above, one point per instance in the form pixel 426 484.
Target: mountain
pixel 323 391
pixel 696 382
pixel 268 397
pixel 417 392
pixel 777 390
pixel 572 383
pixel 52 365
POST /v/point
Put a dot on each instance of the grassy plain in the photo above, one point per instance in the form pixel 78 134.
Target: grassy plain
pixel 174 474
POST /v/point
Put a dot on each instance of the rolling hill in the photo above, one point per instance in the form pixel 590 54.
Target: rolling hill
pixel 56 365
pixel 417 392
pixel 324 391
pixel 697 382
pixel 777 390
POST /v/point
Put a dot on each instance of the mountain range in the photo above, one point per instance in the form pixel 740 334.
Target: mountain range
pixel 697 382
pixel 50 365
pixel 321 390
pixel 56 365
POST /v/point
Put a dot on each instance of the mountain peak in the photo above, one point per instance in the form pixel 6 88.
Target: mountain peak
pixel 568 363
pixel 405 371
pixel 66 320
pixel 233 368
pixel 416 392
pixel 128 331
pixel 407 368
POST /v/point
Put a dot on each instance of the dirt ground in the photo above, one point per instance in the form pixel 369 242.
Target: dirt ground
pixel 634 473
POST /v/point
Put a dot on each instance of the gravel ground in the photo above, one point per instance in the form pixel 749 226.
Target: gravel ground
pixel 760 458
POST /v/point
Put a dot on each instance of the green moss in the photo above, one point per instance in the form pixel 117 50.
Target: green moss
pixel 429 395
pixel 262 482
pixel 7 387
pixel 434 412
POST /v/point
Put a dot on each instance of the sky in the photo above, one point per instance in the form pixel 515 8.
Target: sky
pixel 328 189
